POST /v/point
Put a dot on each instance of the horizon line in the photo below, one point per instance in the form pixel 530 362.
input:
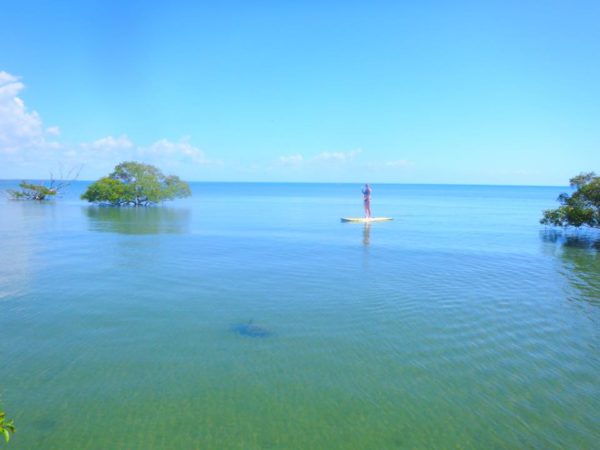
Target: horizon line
pixel 315 182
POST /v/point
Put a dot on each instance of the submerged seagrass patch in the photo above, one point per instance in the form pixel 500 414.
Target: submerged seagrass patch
pixel 250 329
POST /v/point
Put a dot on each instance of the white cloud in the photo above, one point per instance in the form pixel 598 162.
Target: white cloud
pixel 26 144
pixel 110 143
pixel 337 156
pixel 161 152
pixel 291 160
pixel 6 78
pixel 102 155
pixel 10 85
pixel 20 129
pixel 169 151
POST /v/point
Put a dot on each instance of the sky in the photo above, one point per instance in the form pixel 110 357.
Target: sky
pixel 465 92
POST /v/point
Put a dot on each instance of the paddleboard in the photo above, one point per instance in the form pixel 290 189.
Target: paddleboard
pixel 365 219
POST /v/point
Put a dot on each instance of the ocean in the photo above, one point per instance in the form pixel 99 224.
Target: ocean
pixel 249 317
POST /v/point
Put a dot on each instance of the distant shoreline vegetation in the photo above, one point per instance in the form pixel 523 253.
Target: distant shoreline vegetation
pixel 136 184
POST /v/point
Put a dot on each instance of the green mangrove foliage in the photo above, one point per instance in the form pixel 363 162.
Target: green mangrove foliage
pixel 581 208
pixel 136 184
pixel 45 190
pixel 6 426
pixel 30 191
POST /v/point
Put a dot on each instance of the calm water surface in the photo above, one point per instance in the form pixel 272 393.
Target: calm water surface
pixel 462 324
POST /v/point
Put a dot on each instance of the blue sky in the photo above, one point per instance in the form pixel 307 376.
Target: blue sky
pixel 408 92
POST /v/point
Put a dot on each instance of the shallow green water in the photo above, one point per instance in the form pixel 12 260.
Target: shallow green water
pixel 462 324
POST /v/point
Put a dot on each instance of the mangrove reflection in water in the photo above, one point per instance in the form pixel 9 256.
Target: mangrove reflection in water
pixel 580 253
pixel 148 220
pixel 23 226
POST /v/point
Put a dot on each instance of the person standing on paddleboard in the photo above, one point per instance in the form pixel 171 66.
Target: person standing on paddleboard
pixel 367 200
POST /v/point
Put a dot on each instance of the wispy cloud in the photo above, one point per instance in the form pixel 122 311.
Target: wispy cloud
pixel 109 143
pixel 337 156
pixel 182 151
pixel 395 164
pixel 327 158
pixel 340 159
pixel 291 160
pixel 53 131
pixel 163 150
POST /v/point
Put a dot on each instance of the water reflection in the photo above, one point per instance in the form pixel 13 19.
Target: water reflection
pixel 577 239
pixel 23 227
pixel 580 253
pixel 367 234
pixel 151 220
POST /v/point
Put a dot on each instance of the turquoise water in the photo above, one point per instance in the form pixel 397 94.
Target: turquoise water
pixel 461 324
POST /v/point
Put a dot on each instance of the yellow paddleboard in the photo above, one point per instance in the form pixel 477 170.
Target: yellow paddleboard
pixel 365 219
